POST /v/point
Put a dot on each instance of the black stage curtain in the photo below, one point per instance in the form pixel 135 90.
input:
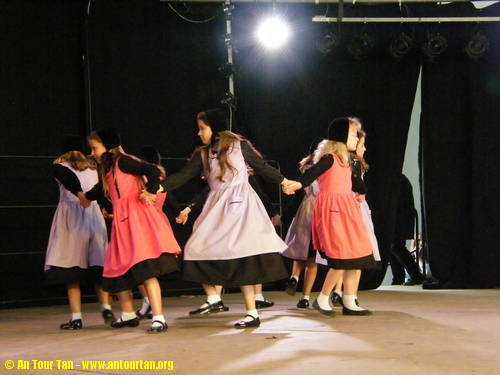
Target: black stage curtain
pixel 41 100
pixel 460 147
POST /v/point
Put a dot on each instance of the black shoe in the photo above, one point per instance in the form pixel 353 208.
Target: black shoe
pixel 291 286
pixel 303 304
pixel 158 329
pixel 147 315
pixel 432 284
pixel 108 316
pixel 337 299
pixel 72 324
pixel 263 304
pixel 397 282
pixel 255 322
pixel 211 308
pixel 411 281
pixel 346 311
pixel 324 312
pixel 125 323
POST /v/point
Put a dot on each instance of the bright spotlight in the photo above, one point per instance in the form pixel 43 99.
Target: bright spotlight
pixel 273 33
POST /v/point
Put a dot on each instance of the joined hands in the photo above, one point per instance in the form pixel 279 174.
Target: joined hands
pixel 290 186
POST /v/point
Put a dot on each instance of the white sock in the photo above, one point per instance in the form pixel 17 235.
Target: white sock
pixel 295 277
pixel 350 302
pixel 105 306
pixel 128 316
pixel 324 302
pixel 339 293
pixel 252 313
pixel 145 306
pixel 75 316
pixel 259 297
pixel 160 318
pixel 214 298
pixel 305 297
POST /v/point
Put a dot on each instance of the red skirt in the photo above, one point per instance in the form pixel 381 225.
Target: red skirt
pixel 338 229
pixel 139 232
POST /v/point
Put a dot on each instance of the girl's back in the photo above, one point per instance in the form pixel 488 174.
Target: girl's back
pixel 87 178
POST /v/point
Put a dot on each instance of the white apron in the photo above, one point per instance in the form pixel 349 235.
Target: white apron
pixel 78 236
pixel 233 223
pixel 298 237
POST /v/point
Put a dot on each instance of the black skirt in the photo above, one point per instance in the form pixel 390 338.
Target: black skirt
pixel 255 269
pixel 367 262
pixel 311 253
pixel 73 275
pixel 137 274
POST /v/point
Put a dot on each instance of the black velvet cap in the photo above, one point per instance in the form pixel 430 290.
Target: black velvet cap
pixel 110 138
pixel 217 120
pixel 338 130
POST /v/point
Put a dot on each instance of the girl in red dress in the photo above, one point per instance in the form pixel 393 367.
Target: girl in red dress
pixel 339 232
pixel 142 244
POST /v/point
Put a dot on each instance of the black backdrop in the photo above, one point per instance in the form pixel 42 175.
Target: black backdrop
pixel 461 143
pixel 151 72
pixel 42 98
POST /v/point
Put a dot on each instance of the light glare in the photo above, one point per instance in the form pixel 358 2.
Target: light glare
pixel 273 33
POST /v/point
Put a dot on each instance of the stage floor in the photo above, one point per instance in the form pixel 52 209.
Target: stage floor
pixel 412 331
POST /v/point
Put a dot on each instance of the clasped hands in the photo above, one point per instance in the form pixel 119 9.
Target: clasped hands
pixel 290 186
pixel 150 198
pixel 84 202
pixel 147 197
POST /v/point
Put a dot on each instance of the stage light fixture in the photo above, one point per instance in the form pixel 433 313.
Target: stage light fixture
pixel 477 46
pixel 401 45
pixel 273 33
pixel 227 69
pixel 435 45
pixel 361 46
pixel 229 99
pixel 328 43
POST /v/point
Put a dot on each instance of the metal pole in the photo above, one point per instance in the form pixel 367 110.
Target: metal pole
pixel 229 44
pixel 405 19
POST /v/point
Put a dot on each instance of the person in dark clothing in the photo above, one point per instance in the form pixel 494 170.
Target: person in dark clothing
pixel 401 258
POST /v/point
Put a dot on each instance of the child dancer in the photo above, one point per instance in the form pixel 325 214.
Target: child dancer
pixel 298 239
pixel 338 227
pixel 142 244
pixel 359 168
pixel 233 241
pixel 78 238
